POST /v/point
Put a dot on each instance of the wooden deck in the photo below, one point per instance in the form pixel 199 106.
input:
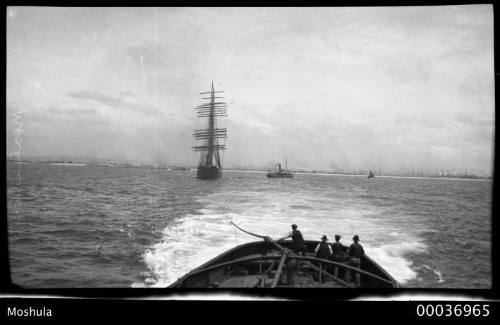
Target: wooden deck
pixel 249 281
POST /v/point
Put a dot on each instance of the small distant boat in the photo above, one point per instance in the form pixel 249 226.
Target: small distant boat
pixel 280 173
pixel 371 175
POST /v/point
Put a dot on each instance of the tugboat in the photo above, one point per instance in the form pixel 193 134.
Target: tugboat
pixel 209 164
pixel 280 173
pixel 271 264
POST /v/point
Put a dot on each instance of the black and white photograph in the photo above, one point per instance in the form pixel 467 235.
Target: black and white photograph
pixel 248 147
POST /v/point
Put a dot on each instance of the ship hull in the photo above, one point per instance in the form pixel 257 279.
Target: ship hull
pixel 208 172
pixel 279 175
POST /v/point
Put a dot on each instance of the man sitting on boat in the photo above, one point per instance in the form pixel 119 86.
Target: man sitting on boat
pixel 356 251
pixel 298 244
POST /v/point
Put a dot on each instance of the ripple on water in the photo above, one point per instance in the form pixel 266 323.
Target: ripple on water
pixel 125 221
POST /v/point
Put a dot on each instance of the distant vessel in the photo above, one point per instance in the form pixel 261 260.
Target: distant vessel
pixel 371 174
pixel 209 164
pixel 280 173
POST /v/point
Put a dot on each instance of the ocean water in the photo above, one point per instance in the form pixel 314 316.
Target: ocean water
pixel 92 226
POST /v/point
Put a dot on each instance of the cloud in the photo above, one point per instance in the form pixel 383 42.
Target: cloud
pixel 117 102
pixel 138 51
pixel 407 71
pixel 127 94
pixel 94 95
pixel 347 87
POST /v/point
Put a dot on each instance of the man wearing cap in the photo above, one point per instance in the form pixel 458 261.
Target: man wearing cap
pixel 297 240
pixel 323 249
pixel 356 251
pixel 339 253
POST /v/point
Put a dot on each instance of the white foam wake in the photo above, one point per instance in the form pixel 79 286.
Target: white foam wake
pixel 436 273
pixel 196 238
pixel 192 241
pixel 393 258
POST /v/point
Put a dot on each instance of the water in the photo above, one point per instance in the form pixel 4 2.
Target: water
pixel 92 226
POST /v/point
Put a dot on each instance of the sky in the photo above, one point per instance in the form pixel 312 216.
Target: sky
pixel 335 88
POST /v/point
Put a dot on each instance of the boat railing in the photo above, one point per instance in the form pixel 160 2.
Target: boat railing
pixel 303 258
pixel 280 268
pixel 345 266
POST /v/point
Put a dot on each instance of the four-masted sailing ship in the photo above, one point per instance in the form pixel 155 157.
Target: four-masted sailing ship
pixel 209 164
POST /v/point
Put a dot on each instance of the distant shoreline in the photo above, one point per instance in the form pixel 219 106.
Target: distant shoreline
pixel 178 168
pixel 362 175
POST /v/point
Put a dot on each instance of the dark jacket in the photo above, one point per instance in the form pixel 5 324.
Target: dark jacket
pixel 297 237
pixel 356 250
pixel 338 248
pixel 324 250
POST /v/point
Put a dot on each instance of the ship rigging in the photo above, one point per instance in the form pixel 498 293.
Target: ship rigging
pixel 208 145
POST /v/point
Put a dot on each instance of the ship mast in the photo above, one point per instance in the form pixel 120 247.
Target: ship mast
pixel 210 154
pixel 209 148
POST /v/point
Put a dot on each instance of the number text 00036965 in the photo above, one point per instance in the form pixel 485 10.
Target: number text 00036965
pixel 453 310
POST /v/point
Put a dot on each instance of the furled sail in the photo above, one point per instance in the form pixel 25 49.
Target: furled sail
pixel 209 140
